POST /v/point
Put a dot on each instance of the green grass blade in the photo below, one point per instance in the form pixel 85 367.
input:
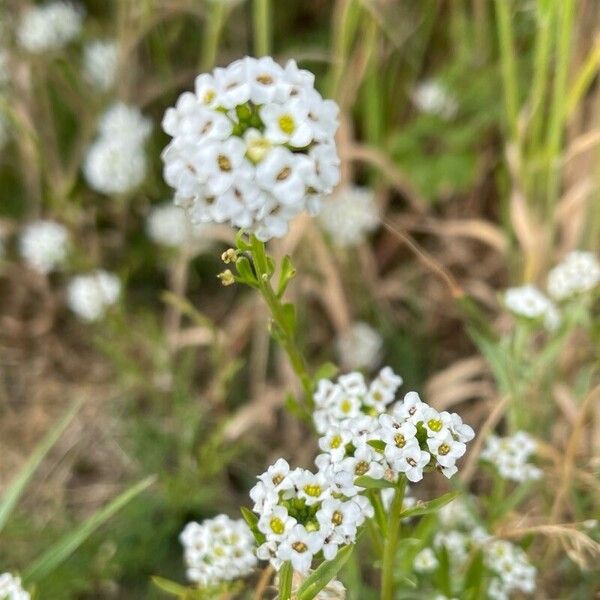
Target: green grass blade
pixel 17 487
pixel 62 549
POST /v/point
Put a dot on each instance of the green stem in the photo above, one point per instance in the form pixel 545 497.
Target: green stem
pixel 391 541
pixel 261 15
pixel 286 576
pixel 212 34
pixel 375 499
pixel 278 314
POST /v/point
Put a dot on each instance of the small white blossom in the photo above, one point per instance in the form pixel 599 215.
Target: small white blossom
pixel 359 347
pixel 579 272
pixel 11 588
pixel 100 62
pixel 510 563
pixel 116 162
pixel 168 225
pixel 89 296
pixel 432 97
pixel 44 245
pixel 349 215
pixel 218 549
pixel 528 301
pixel 252 147
pixel 425 561
pixel 510 456
pixel 49 26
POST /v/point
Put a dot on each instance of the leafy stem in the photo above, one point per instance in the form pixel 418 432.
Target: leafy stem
pixel 391 541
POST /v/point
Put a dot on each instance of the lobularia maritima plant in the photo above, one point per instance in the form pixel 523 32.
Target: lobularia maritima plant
pixel 253 147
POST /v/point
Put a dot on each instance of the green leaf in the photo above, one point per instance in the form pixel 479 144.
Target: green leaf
pixel 270 266
pixel 245 272
pixel 241 243
pixel 321 576
pixel 16 489
pixel 288 271
pixel 475 577
pixel 379 445
pixel 373 484
pixel 61 550
pixel 326 371
pixel 424 508
pixel 252 521
pixel 286 575
pixel 170 587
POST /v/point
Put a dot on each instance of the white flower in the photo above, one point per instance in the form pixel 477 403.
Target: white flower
pixel 359 347
pixel 446 450
pixel 89 296
pixel 11 588
pixel 412 463
pixel 528 301
pixel 349 215
pixel 168 225
pixel 455 543
pixel 432 97
pixel 49 26
pixel 276 524
pixel 100 63
pixel 512 567
pixel 218 549
pixel 579 272
pixel 44 245
pixel 299 547
pixel 425 561
pixel 230 159
pixel 126 123
pixel 113 167
pixel 510 455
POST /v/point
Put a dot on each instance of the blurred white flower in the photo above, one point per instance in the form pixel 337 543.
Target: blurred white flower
pixel 116 162
pixel 253 146
pixel 349 215
pixel 359 347
pixel 218 549
pixel 578 272
pixel 433 97
pixel 100 62
pixel 89 296
pixel 168 225
pixel 44 245
pixel 425 561
pixel 510 456
pixel 511 565
pixel 49 26
pixel 528 301
pixel 11 589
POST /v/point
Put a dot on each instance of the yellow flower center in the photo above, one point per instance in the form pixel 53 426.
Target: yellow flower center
pixel 257 149
pixel 299 547
pixel 277 526
pixel 400 440
pixel 346 406
pixel 444 449
pixel 361 467
pixel 434 424
pixel 265 79
pixel 284 174
pixel 277 479
pixel 313 490
pixel 286 124
pixel 336 441
pixel 209 96
pixel 337 517
pixel 224 163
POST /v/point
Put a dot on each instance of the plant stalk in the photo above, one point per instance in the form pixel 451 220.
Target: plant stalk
pixel 261 16
pixel 391 541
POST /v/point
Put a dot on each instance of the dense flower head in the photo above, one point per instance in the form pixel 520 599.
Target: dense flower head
pixel 514 572
pixel 349 215
pixel 529 302
pixel 116 162
pixel 510 456
pixel 253 146
pixel 432 97
pixel 168 225
pixel 11 588
pixel 302 514
pixel 44 245
pixel 579 272
pixel 49 26
pixel 359 347
pixel 100 61
pixel 89 296
pixel 218 549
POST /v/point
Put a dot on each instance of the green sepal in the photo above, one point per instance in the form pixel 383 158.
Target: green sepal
pixel 240 242
pixel 245 272
pixel 373 484
pixel 252 521
pixel 379 445
pixel 288 272
pixel 327 370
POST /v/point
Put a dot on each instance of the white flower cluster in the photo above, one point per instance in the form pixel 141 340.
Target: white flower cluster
pixel 360 438
pixel 116 161
pixel 349 215
pixel 514 572
pixel 528 301
pixel 510 455
pixel 253 146
pixel 100 62
pixel 168 225
pixel 44 245
pixel 579 272
pixel 302 513
pixel 359 347
pixel 89 296
pixel 459 535
pixel 432 97
pixel 49 26
pixel 11 589
pixel 218 549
